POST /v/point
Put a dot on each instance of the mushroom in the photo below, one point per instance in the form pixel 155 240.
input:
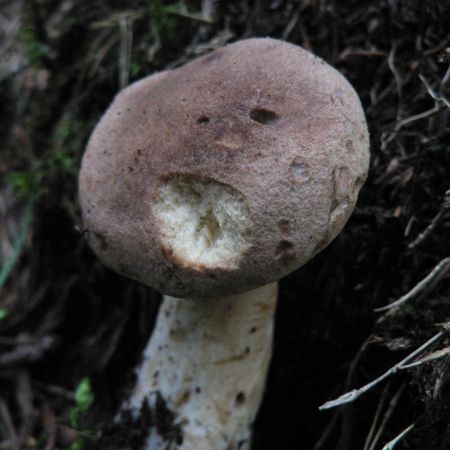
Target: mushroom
pixel 209 183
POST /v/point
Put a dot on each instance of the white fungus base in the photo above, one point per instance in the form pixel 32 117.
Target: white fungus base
pixel 207 361
pixel 202 222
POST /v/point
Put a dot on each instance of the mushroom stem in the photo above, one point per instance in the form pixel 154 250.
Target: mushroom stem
pixel 203 373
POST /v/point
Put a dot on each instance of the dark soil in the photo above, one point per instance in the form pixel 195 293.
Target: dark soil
pixel 68 317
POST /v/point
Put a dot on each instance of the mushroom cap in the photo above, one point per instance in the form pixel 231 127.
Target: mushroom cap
pixel 227 173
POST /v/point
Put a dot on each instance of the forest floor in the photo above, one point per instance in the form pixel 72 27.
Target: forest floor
pixel 71 331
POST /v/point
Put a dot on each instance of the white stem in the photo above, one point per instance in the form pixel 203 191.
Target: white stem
pixel 204 369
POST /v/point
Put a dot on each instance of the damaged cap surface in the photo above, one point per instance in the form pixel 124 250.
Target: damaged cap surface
pixel 227 173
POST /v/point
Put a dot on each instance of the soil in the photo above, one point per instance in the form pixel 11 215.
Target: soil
pixel 65 317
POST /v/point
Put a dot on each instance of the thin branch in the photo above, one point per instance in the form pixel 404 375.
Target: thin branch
pixel 190 16
pixel 19 244
pixel 327 432
pixel 351 396
pixel 438 354
pixel 446 78
pixel 436 96
pixel 397 78
pixel 347 53
pixel 380 406
pixel 5 417
pixel 426 284
pixel 434 222
pixel 28 352
pixel 392 404
pixel 415 117
pixel 391 444
pixel 50 425
pixel 126 42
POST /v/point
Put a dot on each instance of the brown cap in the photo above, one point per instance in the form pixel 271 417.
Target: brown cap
pixel 227 173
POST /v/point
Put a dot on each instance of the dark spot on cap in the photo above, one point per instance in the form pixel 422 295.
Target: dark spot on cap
pixel 264 116
pixel 203 120
pixel 285 251
pixel 285 227
pixel 349 146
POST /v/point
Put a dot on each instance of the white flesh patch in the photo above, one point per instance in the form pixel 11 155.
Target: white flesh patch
pixel 203 223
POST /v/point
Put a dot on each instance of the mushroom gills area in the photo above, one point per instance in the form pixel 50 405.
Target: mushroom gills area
pixel 202 223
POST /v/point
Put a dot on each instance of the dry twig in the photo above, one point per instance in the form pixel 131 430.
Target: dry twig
pixel 434 222
pixel 126 42
pixel 27 352
pixel 351 396
pixel 438 354
pixel 436 96
pixel 424 285
pixel 392 404
pixel 5 417
pixel 380 406
pixel 391 444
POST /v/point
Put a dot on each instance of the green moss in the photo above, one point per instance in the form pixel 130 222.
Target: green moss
pixel 161 17
pixel 32 47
